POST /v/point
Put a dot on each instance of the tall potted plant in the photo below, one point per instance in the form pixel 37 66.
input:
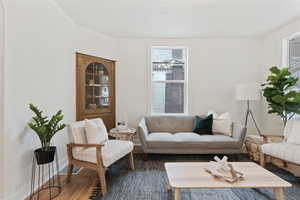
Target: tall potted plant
pixel 279 91
pixel 45 129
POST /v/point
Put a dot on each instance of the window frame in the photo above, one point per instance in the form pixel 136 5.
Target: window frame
pixel 286 49
pixel 286 56
pixel 185 81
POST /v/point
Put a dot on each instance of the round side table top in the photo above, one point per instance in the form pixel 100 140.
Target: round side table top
pixel 115 132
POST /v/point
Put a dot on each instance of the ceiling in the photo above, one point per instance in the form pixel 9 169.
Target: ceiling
pixel 181 18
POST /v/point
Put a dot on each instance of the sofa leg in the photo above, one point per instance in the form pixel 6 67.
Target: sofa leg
pixel 131 161
pixel 69 174
pixel 262 159
pixel 102 179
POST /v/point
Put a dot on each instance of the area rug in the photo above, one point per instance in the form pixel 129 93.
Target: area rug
pixel 75 171
pixel 148 182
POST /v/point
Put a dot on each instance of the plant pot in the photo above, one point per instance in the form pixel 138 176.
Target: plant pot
pixel 44 156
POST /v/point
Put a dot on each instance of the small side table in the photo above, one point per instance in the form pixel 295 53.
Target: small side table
pixel 127 134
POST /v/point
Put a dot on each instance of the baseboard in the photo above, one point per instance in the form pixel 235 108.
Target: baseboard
pixel 23 192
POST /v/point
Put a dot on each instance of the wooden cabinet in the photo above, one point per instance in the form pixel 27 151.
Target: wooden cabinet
pixel 95 90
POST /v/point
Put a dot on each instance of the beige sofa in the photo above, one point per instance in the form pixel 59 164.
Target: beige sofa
pixel 174 135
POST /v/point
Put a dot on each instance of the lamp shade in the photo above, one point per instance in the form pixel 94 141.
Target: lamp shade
pixel 250 91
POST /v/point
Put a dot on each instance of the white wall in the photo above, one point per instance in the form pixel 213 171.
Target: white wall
pixel 273 54
pixel 1 98
pixel 215 66
pixel 40 62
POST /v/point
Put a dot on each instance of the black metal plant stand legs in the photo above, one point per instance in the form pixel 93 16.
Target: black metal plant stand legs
pixel 48 170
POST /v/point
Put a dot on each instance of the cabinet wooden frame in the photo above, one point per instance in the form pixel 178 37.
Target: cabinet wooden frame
pixel 107 114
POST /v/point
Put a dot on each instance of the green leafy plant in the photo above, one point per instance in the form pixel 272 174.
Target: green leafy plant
pixel 279 92
pixel 44 128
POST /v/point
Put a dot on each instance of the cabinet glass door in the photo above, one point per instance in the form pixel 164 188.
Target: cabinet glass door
pixel 97 86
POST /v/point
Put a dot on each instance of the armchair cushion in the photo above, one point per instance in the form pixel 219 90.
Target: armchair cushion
pixel 76 132
pixel 285 151
pixel 112 151
pixel 96 132
pixel 292 132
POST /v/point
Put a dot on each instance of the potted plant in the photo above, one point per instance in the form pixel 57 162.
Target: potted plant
pixel 45 129
pixel 279 91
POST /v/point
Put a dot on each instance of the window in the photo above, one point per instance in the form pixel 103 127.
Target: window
pixel 293 55
pixel 169 80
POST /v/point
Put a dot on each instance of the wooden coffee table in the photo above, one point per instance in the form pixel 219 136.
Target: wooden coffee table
pixel 191 175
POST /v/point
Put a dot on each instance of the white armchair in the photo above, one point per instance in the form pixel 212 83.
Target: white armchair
pixel 289 149
pixel 91 148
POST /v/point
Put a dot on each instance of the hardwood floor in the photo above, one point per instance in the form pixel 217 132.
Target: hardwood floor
pixel 80 188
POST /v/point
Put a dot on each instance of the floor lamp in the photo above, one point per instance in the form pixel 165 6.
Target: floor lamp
pixel 248 92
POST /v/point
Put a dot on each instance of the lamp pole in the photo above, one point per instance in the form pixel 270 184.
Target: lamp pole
pixel 249 112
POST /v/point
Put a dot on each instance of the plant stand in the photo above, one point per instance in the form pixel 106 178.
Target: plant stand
pixel 40 173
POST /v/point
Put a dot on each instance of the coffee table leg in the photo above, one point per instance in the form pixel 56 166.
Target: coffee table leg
pixel 279 193
pixel 177 194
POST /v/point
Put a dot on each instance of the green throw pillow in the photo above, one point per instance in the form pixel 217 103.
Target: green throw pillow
pixel 203 125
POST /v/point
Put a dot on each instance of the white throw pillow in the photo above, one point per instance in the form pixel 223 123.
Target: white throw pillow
pixel 222 123
pixel 95 131
pixel 294 132
pixel 211 112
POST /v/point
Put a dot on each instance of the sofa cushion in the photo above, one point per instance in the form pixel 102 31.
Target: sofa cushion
pixel 222 123
pixel 186 137
pixel 191 140
pixel 285 151
pixel 203 125
pixel 161 137
pixel 112 151
pixel 170 124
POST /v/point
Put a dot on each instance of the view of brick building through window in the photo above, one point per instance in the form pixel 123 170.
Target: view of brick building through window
pixel 294 56
pixel 168 80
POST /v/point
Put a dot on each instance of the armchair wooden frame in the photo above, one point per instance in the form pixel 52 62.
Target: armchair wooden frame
pixel 99 167
pixel 293 168
pixel 263 157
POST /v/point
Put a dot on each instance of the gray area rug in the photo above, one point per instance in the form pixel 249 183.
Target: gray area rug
pixel 148 182
pixel 75 171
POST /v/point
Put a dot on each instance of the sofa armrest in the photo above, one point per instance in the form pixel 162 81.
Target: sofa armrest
pixel 74 145
pixel 142 131
pixel 273 138
pixel 239 133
